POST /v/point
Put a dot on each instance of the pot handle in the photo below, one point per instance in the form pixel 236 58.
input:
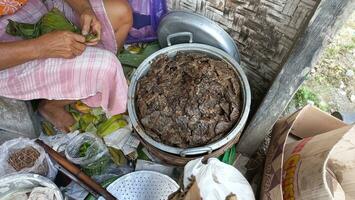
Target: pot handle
pixel 200 150
pixel 179 34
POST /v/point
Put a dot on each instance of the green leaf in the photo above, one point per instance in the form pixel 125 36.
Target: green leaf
pixel 91 128
pixel 84 148
pixel 229 156
pixel 97 111
pixel 141 154
pixel 24 30
pixel 134 60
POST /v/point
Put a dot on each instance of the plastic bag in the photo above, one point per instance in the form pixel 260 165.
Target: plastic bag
pixel 146 17
pixel 43 193
pixel 123 139
pixel 88 151
pixel 216 180
pixel 60 141
pixel 24 155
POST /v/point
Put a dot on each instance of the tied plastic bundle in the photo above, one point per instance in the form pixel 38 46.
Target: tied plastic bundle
pixel 24 155
pixel 217 180
pixel 54 20
pixel 88 151
pixel 38 193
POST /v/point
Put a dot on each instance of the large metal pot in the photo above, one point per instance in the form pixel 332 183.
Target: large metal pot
pixel 204 30
pixel 171 52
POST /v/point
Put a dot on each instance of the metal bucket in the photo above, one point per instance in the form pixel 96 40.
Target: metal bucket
pixel 171 52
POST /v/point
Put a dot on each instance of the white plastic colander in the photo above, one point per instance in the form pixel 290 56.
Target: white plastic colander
pixel 143 185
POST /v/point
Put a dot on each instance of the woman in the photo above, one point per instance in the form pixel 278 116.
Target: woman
pixel 59 67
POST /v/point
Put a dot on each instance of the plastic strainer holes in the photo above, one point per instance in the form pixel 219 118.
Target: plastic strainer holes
pixel 143 185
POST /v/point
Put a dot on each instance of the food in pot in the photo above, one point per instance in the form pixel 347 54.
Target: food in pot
pixel 189 100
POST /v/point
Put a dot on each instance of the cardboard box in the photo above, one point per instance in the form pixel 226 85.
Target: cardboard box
pixel 192 192
pixel 311 156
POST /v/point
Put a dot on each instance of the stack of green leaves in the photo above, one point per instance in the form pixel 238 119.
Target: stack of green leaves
pixel 54 20
pixel 109 126
pixel 133 55
pixel 94 120
pixel 86 120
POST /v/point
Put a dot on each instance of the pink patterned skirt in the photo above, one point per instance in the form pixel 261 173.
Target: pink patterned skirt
pixel 96 76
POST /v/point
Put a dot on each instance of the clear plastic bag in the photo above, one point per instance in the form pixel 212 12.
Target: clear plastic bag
pixel 216 180
pixel 24 155
pixel 60 141
pixel 146 17
pixel 88 151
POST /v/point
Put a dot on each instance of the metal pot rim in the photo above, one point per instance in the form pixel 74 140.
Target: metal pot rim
pixel 202 48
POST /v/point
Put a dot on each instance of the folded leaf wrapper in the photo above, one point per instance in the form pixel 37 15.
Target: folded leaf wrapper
pixel 54 20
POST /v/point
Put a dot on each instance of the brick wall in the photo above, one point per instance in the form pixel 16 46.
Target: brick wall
pixel 264 30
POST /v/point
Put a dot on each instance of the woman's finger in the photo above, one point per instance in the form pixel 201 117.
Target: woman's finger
pixel 92 43
pixel 79 46
pixel 87 20
pixel 77 52
pixel 96 27
pixel 78 38
pixel 94 40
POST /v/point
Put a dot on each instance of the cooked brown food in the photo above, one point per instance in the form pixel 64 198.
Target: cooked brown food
pixel 189 100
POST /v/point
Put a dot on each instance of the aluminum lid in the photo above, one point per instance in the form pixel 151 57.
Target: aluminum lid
pixel 181 27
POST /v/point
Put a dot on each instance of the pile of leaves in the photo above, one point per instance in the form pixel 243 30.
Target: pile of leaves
pixel 54 20
pixel 94 120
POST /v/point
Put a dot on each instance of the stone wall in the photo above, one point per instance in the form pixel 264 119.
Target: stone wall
pixel 264 30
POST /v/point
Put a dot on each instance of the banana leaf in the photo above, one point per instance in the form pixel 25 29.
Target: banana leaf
pixel 54 20
pixel 24 30
pixel 133 60
pixel 229 156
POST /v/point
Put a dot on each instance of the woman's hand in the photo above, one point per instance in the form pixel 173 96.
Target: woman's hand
pixel 60 44
pixel 90 24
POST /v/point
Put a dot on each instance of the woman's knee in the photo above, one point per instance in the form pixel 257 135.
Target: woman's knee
pixel 105 64
pixel 111 62
pixel 119 12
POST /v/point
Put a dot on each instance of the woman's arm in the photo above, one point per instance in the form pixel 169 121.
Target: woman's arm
pixel 58 44
pixel 88 20
pixel 79 5
pixel 15 53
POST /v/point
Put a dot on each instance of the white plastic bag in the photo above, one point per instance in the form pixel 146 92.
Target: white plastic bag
pixel 43 193
pixel 96 149
pixel 43 165
pixel 123 139
pixel 216 180
pixel 60 141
